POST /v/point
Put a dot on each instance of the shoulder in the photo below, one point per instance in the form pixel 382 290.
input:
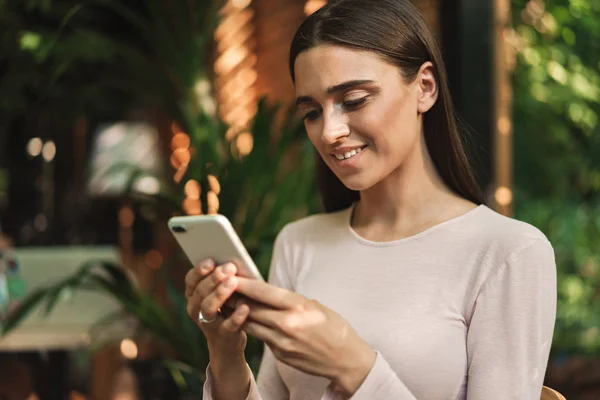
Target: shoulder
pixel 315 226
pixel 504 235
pixel 509 246
pixel 495 245
pixel 300 240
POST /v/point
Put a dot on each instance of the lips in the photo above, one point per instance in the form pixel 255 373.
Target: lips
pixel 347 153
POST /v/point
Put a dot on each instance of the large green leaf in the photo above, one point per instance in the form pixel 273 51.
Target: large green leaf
pixel 29 305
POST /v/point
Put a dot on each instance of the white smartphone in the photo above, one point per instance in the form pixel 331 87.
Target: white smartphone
pixel 213 236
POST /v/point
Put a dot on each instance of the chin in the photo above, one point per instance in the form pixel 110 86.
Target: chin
pixel 356 183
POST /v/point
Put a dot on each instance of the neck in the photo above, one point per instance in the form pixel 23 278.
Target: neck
pixel 410 196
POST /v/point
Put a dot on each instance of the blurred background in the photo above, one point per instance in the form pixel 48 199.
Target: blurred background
pixel 118 114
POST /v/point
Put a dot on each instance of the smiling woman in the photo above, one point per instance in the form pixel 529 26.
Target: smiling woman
pixel 409 287
pixel 402 51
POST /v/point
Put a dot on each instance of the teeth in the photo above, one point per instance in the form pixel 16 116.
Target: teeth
pixel 348 154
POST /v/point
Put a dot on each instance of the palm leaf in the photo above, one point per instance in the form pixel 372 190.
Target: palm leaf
pixel 30 304
pixel 188 378
pixel 192 338
pixel 56 292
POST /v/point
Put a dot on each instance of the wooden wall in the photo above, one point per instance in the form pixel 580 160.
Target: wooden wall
pixel 275 22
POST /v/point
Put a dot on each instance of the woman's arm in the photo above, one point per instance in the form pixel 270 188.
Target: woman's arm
pixel 510 332
pixel 509 337
pixel 270 386
pixel 228 379
pixel 381 383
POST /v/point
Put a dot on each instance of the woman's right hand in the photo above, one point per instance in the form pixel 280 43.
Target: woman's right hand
pixel 208 288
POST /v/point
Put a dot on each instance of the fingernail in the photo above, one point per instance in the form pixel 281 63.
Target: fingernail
pixel 229 269
pixel 206 266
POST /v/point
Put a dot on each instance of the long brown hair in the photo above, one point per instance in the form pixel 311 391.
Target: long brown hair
pixel 397 32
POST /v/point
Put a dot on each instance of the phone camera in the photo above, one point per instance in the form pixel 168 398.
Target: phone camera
pixel 179 229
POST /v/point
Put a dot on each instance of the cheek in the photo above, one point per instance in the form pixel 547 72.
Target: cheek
pixel 313 131
pixel 397 125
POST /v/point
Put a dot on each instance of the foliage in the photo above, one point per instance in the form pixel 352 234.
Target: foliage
pixel 72 58
pixel 557 142
pixel 174 330
pixel 105 54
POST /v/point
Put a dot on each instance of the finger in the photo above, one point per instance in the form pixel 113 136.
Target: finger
pixel 206 287
pixel 216 299
pixel 237 319
pixel 214 279
pixel 264 333
pixel 196 274
pixel 231 304
pixel 269 294
pixel 267 316
pixel 234 300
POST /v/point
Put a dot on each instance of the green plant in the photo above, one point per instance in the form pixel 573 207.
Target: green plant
pixel 155 59
pixel 173 329
pixel 557 142
pixel 261 192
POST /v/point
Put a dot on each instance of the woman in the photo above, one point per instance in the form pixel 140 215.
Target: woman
pixel 420 291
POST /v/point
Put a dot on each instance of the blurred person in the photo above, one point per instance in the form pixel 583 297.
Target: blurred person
pixel 5 249
pixel 16 382
pixel 12 285
pixel 409 287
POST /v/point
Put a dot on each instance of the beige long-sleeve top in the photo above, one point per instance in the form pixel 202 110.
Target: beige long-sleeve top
pixel 463 310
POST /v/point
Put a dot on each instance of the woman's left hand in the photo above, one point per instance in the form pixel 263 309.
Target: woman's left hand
pixel 306 335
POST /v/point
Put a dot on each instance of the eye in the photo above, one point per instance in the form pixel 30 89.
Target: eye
pixel 312 115
pixel 353 105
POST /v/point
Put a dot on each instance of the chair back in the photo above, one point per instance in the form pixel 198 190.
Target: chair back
pixel 551 394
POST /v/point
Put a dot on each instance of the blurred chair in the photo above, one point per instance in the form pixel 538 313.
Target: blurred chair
pixel 551 394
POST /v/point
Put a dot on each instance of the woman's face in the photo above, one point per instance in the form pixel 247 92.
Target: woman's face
pixel 359 113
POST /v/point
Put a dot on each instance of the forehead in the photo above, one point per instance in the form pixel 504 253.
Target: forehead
pixel 328 65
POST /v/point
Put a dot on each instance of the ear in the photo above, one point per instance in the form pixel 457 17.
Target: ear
pixel 427 90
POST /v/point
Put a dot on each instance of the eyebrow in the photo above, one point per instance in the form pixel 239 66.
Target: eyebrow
pixel 336 89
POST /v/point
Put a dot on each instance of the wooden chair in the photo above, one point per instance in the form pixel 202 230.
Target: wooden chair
pixel 551 394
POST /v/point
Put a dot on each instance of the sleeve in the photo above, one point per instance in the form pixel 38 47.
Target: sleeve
pixel 269 385
pixel 381 383
pixel 510 332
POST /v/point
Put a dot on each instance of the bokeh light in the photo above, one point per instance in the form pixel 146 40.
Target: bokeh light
pixel 244 142
pixel 129 349
pixel 214 184
pixel 192 189
pixel 154 259
pixel 34 147
pixel 49 151
pixel 192 206
pixel 180 141
pixel 503 196
pixel 313 5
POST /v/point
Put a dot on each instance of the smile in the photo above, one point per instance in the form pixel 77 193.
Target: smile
pixel 349 154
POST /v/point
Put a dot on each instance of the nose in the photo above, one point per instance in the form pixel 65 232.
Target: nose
pixel 335 127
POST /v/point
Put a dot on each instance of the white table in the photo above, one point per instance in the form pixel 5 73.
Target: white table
pixel 72 323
